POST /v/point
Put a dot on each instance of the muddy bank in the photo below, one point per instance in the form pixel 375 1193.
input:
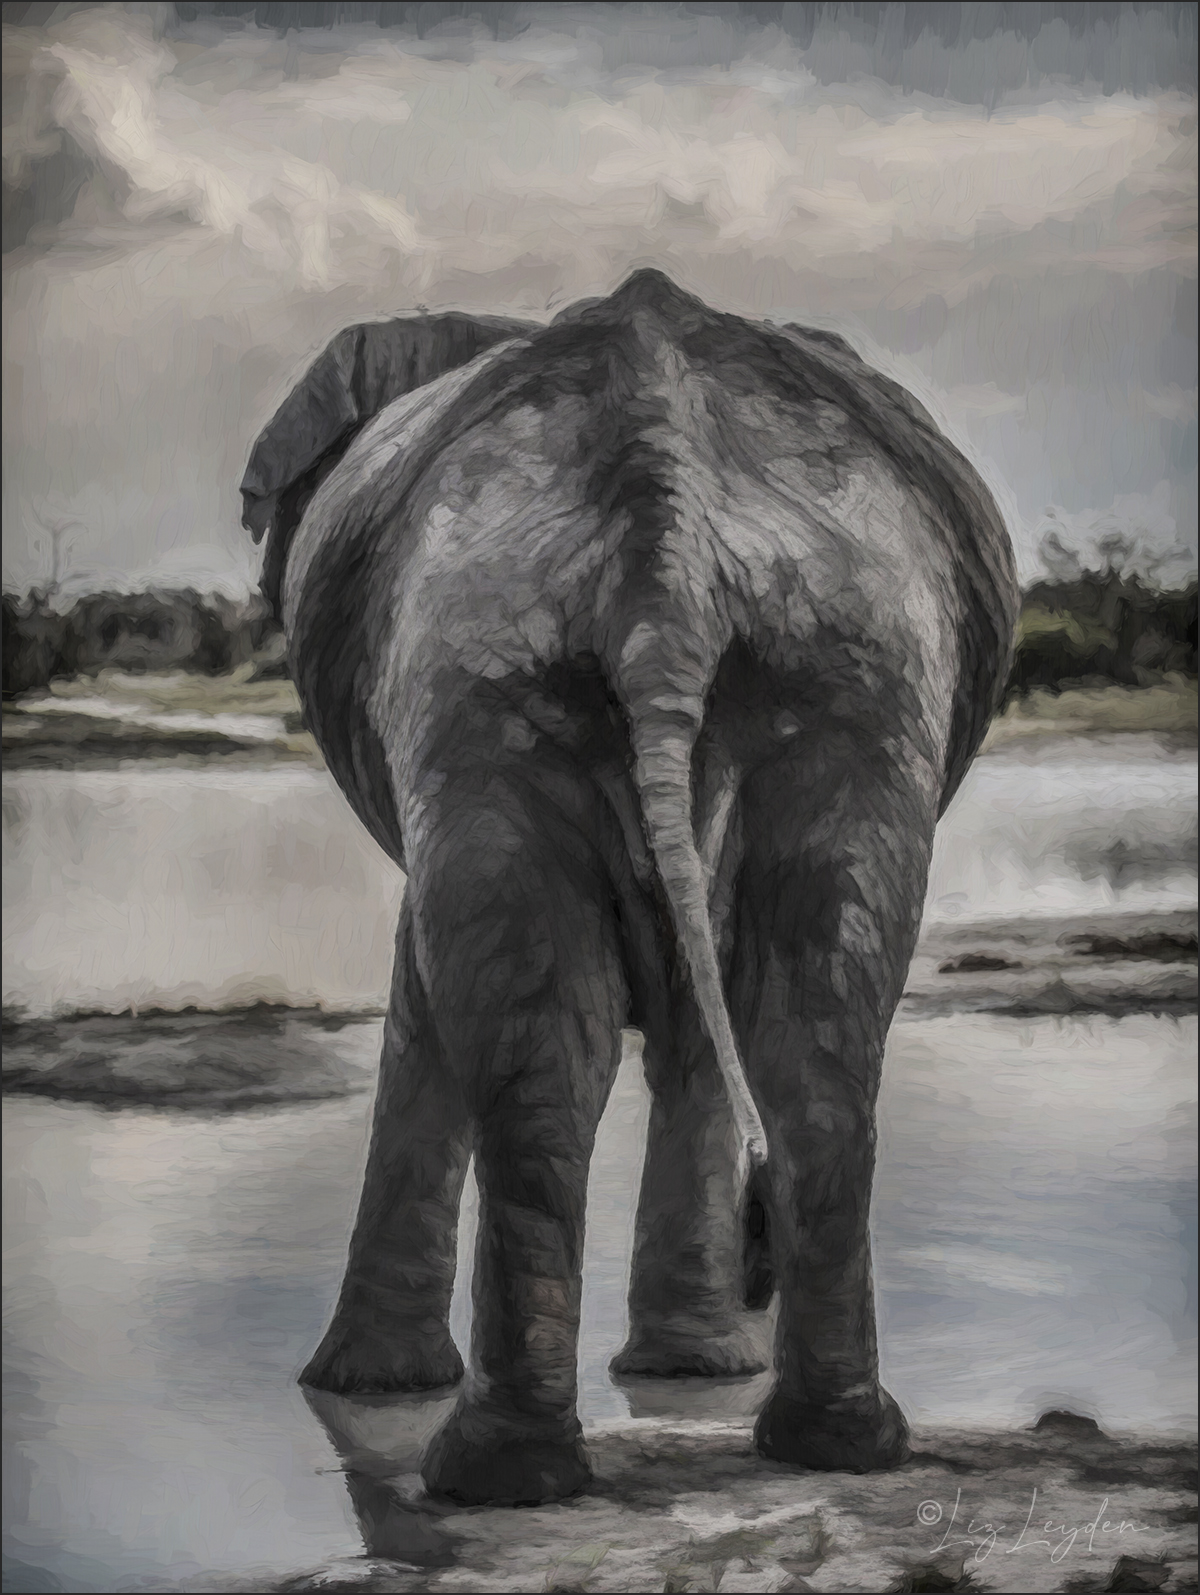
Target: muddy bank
pixel 1099 963
pixel 692 1508
pixel 210 1062
pixel 104 721
pixel 263 1055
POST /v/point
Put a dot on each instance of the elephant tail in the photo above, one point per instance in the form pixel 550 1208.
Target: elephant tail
pixel 662 747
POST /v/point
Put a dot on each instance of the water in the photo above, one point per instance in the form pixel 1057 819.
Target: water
pixel 169 1272
pixel 1068 828
pixel 217 887
pixel 220 886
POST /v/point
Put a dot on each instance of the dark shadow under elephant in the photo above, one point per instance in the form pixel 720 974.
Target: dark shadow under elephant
pixel 651 643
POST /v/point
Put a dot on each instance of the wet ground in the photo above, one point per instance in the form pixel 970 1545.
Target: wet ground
pixel 179 1190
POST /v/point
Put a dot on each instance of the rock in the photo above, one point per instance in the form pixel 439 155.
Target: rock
pixel 1057 1421
pixel 934 1578
pixel 773 1580
pixel 1134 1574
pixel 362 1576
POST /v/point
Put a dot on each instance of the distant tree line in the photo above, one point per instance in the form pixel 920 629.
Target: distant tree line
pixel 1103 626
pixel 1090 627
pixel 155 630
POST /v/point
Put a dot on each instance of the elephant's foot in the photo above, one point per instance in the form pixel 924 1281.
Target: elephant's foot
pixel 859 1434
pixel 683 1346
pixel 479 1460
pixel 353 1361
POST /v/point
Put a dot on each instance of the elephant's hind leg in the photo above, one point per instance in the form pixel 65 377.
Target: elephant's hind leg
pixel 515 1438
pixel 830 901
pixel 390 1329
pixel 687 1298
pixel 531 998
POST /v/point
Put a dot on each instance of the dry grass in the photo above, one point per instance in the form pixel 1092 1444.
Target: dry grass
pixel 1166 709
pixel 183 692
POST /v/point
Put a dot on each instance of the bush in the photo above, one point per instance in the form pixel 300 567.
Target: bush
pixel 34 643
pixel 1102 627
pixel 136 632
pixel 1093 628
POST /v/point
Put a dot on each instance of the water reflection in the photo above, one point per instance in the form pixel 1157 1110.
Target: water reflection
pixel 706 1400
pixel 380 1440
pixel 697 1400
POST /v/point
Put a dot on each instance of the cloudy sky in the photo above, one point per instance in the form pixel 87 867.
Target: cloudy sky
pixel 996 202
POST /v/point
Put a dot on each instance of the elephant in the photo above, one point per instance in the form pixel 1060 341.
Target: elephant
pixel 651 643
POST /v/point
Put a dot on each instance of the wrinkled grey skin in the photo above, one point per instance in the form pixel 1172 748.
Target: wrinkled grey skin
pixel 651 644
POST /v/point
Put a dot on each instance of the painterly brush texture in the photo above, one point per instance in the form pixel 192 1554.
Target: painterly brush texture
pixel 651 644
pixel 518 714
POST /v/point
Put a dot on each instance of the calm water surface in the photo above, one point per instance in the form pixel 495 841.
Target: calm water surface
pixel 222 886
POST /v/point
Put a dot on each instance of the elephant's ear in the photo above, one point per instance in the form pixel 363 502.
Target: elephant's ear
pixel 361 372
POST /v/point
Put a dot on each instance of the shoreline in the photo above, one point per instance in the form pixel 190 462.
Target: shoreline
pixel 187 720
pixel 219 1062
pixel 1059 1506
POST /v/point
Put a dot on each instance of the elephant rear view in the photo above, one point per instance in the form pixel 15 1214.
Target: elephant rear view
pixel 651 643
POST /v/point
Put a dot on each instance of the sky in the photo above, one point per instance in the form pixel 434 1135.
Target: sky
pixel 994 203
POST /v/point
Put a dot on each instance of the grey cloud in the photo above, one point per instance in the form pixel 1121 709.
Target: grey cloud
pixel 207 201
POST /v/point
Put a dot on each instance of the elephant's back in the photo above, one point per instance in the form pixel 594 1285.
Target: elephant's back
pixel 642 454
